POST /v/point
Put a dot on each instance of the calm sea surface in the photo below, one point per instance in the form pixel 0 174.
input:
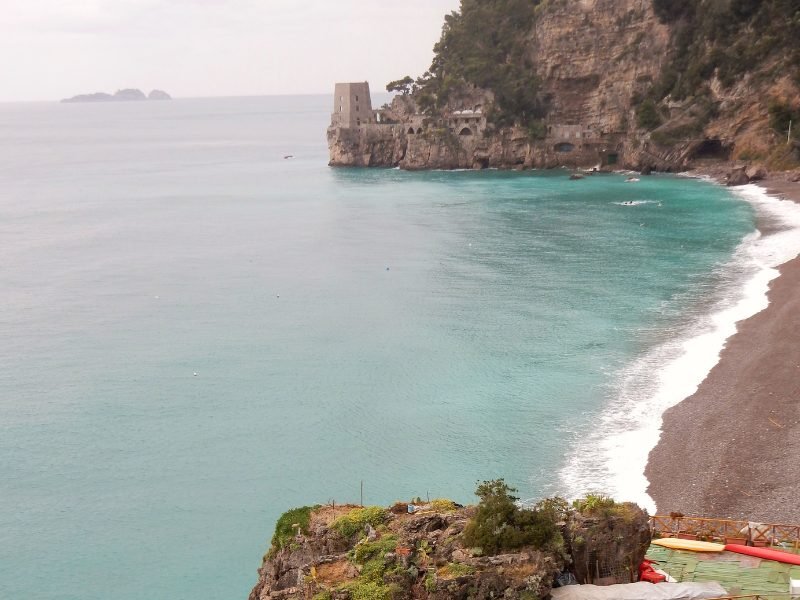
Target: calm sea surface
pixel 197 334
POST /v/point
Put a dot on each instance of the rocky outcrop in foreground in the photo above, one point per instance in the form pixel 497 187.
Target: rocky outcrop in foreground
pixel 353 553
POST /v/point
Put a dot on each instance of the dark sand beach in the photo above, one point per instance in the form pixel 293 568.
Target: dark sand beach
pixel 732 450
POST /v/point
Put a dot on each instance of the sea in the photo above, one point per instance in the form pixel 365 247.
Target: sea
pixel 203 325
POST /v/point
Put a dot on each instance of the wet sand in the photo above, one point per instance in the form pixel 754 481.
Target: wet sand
pixel 732 450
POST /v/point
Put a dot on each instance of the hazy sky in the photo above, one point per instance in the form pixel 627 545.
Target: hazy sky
pixel 50 49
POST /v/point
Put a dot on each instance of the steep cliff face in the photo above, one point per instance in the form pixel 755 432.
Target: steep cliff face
pixel 367 146
pixel 593 56
pixel 596 63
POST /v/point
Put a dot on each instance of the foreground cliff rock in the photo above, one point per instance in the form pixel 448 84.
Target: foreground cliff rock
pixel 354 553
pixel 639 84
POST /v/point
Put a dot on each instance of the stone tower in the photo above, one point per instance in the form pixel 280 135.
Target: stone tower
pixel 352 106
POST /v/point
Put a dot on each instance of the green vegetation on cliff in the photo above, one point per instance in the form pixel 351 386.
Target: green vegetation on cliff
pixel 726 38
pixel 483 44
pixel 288 525
pixel 355 521
pixel 499 524
pixel 443 550
pixel 487 44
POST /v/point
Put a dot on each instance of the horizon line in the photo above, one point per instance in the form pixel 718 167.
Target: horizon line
pixel 48 101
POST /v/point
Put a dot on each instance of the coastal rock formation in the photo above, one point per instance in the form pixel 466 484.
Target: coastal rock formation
pixel 606 539
pixel 347 552
pixel 126 95
pixel 158 95
pixel 738 177
pixel 582 83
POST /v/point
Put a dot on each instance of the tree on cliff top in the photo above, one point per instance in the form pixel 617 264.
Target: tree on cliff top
pixel 499 524
pixel 403 85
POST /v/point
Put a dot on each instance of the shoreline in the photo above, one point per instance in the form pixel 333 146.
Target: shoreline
pixel 730 449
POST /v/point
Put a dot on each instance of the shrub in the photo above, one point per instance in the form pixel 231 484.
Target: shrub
pixel 368 550
pixel 499 524
pixel 647 115
pixel 557 508
pixel 430 583
pixel 370 590
pixel 780 115
pixel 594 504
pixel 355 521
pixel 601 505
pixel 443 505
pixel 453 570
pixel 285 529
pixel 537 130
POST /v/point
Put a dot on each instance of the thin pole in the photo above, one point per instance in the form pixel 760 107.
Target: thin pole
pixel 789 135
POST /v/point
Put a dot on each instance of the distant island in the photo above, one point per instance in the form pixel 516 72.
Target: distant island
pixel 127 95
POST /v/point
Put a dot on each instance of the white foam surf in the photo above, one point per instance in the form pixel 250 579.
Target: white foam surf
pixel 613 457
pixel 636 202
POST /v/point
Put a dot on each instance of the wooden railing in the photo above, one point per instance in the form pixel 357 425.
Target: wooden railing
pixel 727 531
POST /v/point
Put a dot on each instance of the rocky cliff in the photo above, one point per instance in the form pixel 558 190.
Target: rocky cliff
pixel 593 83
pixel 352 553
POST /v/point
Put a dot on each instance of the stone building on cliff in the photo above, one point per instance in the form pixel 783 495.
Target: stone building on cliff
pixel 457 136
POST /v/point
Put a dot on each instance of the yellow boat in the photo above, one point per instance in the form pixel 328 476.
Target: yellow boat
pixel 692 545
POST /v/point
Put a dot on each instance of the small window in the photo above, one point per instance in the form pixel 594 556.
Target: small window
pixel 341 98
pixel 341 109
pixel 356 98
pixel 356 107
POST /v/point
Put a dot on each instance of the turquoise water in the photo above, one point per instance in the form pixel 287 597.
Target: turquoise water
pixel 198 333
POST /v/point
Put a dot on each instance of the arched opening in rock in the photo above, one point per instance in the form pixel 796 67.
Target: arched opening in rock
pixel 410 131
pixel 564 147
pixel 712 148
pixel 465 131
